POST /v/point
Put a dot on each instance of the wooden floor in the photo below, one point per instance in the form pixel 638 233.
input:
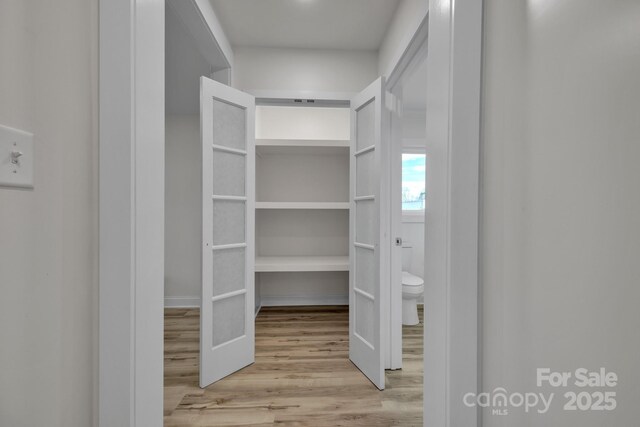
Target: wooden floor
pixel 302 376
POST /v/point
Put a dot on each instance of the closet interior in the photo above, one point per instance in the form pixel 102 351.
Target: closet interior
pixel 302 205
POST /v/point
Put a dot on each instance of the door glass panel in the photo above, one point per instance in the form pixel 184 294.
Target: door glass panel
pixel 228 270
pixel 364 174
pixel 364 317
pixel 229 125
pixel 228 174
pixel 365 270
pixel 365 221
pixel 365 136
pixel 228 319
pixel 228 222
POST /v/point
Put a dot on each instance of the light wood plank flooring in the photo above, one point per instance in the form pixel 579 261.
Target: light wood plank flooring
pixel 302 376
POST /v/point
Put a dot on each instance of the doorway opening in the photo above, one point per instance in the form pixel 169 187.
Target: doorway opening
pixel 409 199
pixel 134 131
pixel 314 177
pixel 291 193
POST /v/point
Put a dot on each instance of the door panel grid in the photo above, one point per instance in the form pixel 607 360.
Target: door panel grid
pixel 226 323
pixel 365 284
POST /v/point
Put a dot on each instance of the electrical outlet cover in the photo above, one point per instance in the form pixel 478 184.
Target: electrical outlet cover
pixel 18 174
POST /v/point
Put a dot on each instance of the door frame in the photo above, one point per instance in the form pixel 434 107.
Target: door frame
pixel 411 58
pixel 131 212
pixel 452 358
pixel 452 285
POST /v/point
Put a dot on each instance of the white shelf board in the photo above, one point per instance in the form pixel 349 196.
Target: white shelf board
pixel 301 263
pixel 302 205
pixel 311 150
pixel 302 143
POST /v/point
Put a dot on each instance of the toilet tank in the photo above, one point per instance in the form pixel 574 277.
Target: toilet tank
pixel 406 256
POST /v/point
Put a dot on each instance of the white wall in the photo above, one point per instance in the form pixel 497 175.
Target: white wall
pixel 48 86
pixel 183 210
pixel 414 128
pixel 303 69
pixel 403 26
pixel 413 234
pixel 561 206
pixel 302 123
pixel 184 66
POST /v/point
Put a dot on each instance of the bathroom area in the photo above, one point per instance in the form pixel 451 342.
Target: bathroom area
pixel 409 202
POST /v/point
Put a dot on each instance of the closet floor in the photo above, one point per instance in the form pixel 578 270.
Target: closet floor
pixel 302 375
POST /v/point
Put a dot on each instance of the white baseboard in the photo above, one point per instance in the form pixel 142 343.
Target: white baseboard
pixel 269 301
pixel 181 302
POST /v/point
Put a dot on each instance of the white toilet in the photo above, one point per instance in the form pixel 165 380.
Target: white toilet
pixel 412 289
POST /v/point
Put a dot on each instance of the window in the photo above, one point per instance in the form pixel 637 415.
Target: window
pixel 413 179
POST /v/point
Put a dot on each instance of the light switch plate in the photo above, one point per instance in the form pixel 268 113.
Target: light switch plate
pixel 18 174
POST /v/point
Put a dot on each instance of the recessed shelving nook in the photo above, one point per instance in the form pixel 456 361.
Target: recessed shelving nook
pixel 302 205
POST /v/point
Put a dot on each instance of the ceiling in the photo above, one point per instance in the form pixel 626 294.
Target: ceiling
pixel 315 24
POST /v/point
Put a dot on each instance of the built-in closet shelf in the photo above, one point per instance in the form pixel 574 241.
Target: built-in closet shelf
pixel 306 147
pixel 344 143
pixel 302 205
pixel 301 263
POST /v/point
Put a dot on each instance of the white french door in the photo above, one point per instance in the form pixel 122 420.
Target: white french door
pixel 227 334
pixel 369 249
